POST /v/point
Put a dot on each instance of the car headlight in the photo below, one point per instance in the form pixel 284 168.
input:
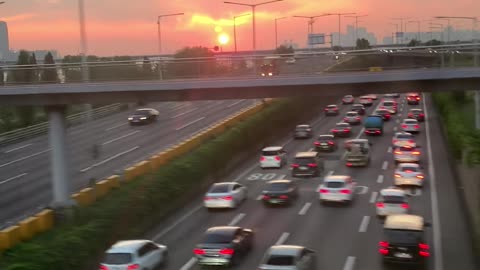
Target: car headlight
pixel 263 74
pixel 270 74
pixel 130 118
pixel 143 118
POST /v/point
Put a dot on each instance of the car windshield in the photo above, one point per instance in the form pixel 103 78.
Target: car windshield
pixel 142 112
pixel 381 111
pixel 277 186
pixel 270 153
pixel 325 138
pixel 117 258
pixel 393 199
pixel 409 169
pixel 342 125
pixel 351 114
pixel 416 111
pixel 280 260
pixel 302 128
pixel 403 236
pixel 388 103
pixel 304 161
pixel 332 106
pixel 334 184
pixel 221 188
pixel 406 149
pixel 410 122
pixel 217 238
pixel 404 136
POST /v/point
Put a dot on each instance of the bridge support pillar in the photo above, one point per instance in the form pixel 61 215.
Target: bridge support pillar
pixel 60 172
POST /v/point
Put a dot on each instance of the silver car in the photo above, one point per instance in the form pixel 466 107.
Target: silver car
pixel 410 125
pixel 403 139
pixel 225 195
pixel 337 188
pixel 273 157
pixel 353 118
pixel 392 201
pixel 144 254
pixel 409 174
pixel 288 257
pixel 406 154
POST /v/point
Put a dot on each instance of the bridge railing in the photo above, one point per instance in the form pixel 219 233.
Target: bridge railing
pixel 221 66
pixel 74 119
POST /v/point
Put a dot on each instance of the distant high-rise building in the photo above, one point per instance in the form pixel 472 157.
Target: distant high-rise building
pixel 4 45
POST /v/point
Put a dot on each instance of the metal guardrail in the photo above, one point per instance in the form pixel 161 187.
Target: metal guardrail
pixel 75 119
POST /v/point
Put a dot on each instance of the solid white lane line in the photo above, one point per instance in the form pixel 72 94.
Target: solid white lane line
pixel 12 178
pixel 385 165
pixel 121 137
pixel 380 179
pixel 23 158
pixel 349 263
pixel 235 103
pixel 389 150
pixel 189 264
pixel 259 197
pixel 304 209
pixel 110 158
pixel 117 126
pixel 282 238
pixel 330 173
pixel 434 198
pixel 191 123
pixel 157 237
pixel 181 114
pixel 373 197
pixel 364 224
pixel 17 148
pixel 395 128
pixel 360 133
pixel 237 219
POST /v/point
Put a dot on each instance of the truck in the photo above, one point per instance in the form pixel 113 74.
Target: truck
pixel 358 152
pixel 374 125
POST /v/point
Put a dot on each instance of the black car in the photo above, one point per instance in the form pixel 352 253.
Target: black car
pixel 303 131
pixel 404 241
pixel 279 192
pixel 384 113
pixel 358 108
pixel 331 110
pixel 307 164
pixel 416 114
pixel 224 245
pixel 143 116
pixel 268 70
pixel 325 143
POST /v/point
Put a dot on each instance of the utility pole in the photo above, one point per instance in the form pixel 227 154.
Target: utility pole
pixel 401 27
pixel 235 28
pixel 339 24
pixel 276 30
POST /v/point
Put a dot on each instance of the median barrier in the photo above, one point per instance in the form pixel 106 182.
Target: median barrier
pixel 77 197
pixel 130 173
pixel 88 196
pixel 375 69
pixel 45 220
pixel 114 181
pixel 9 237
pixel 143 167
pixel 27 228
pixel 102 188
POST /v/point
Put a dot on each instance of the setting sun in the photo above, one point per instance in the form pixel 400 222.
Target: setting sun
pixel 223 38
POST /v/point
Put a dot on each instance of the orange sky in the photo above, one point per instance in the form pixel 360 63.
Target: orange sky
pixel 120 27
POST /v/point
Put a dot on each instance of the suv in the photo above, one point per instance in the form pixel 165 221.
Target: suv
pixel 134 254
pixel 404 240
pixel 273 157
pixel 307 164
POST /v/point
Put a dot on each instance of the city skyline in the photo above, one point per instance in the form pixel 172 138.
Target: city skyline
pixel 119 28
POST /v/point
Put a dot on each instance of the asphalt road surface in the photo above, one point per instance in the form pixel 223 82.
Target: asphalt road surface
pixel 25 168
pixel 344 238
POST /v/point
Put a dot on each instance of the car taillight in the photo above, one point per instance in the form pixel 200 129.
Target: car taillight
pixel 358 118
pixel 404 126
pixel 421 115
pixel 423 246
pixel 397 175
pixel 419 176
pixel 331 143
pixel 424 250
pixel 133 267
pixel 325 109
pixel 394 141
pixel 277 158
pixel 207 198
pixel 226 251
pixel 416 153
pixel 227 198
pixel 346 130
pixel 283 197
pixel 349 164
pixel 312 165
pixel 323 190
pixel 411 141
pixel 418 98
pixel 404 205
pixel 103 267
pixel 295 165
pixel 424 253
pixel 198 251
pixel 266 197
pixel 262 158
pixel 345 119
pixel 384 244
pixel 387 115
pixel 377 132
pixel 316 143
pixel 398 152
pixel 410 115
pixel 416 126
pixel 380 205
pixel 345 191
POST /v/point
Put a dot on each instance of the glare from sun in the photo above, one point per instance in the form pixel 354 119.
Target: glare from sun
pixel 223 39
pixel 218 29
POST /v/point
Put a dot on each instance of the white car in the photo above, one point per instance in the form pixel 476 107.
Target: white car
pixel 134 254
pixel 372 96
pixel 392 201
pixel 291 61
pixel 409 174
pixel 390 105
pixel 225 195
pixel 403 139
pixel 288 257
pixel 410 125
pixel 273 157
pixel 337 188
pixel 406 154
pixel 365 101
pixel 353 118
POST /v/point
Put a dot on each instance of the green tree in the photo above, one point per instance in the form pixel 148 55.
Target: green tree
pixel 24 75
pixel 433 42
pixel 185 66
pixel 284 49
pixel 363 44
pixel 50 70
pixel 414 42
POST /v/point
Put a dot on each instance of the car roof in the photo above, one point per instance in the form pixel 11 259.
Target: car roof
pixel 305 154
pixel 228 230
pixel 405 222
pixel 352 112
pixel 224 184
pixel 303 126
pixel 145 109
pixel 272 148
pixel 365 97
pixel 335 178
pixel 402 133
pixel 401 165
pixel 332 105
pixel 127 246
pixel 279 181
pixel 357 140
pixel 342 124
pixel 392 192
pixel 348 96
pixel 290 250
pixel 410 120
pixel 416 109
pixel 326 135
pixel 358 105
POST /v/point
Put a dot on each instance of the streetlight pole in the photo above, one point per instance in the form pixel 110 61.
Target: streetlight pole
pixel 396 32
pixel 438 26
pixel 356 24
pixel 311 21
pixel 401 26
pixel 339 24
pixel 276 30
pixel 448 27
pixel 160 29
pixel 235 29
pixel 83 40
pixel 418 29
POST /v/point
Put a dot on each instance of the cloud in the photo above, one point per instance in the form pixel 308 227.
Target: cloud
pixel 19 17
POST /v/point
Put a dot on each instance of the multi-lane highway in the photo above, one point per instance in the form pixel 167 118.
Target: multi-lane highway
pixel 25 182
pixel 344 238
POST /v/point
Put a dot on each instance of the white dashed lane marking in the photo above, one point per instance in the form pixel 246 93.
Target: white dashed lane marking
pixel 304 209
pixel 385 165
pixel 364 224
pixel 380 179
pixel 373 197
